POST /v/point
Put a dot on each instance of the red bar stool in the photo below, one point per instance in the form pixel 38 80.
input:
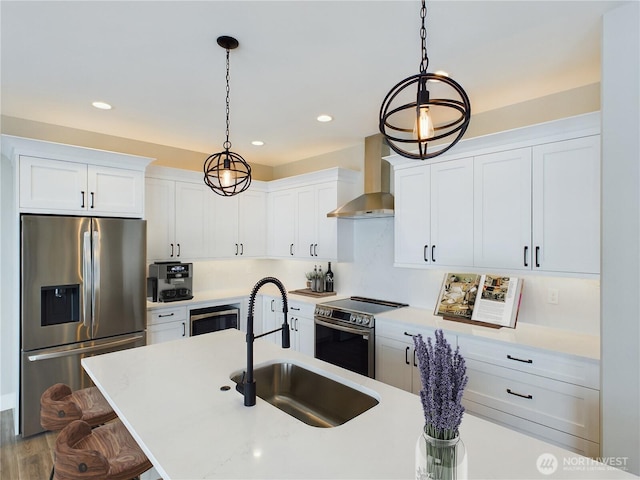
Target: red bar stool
pixel 108 452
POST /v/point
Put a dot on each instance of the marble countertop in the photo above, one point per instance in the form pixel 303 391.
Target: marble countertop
pixel 169 396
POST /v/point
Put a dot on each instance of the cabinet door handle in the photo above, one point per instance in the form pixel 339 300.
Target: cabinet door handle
pixel 171 250
pixel 311 249
pixel 433 258
pixel 242 249
pixel 526 255
pixel 82 194
pixel 295 308
pixel 415 363
pixel 424 253
pixel 272 305
pixel 166 315
pixel 519 359
pixel 511 392
pixel 178 249
pixel 236 249
pixel 315 249
pixel 406 356
pixel 537 257
pixel 92 199
pixel 184 329
pixel 409 334
pixel 291 249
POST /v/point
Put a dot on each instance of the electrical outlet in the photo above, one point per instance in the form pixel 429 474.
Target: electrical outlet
pixel 552 296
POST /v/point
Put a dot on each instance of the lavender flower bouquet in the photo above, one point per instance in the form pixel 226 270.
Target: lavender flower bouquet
pixel 443 376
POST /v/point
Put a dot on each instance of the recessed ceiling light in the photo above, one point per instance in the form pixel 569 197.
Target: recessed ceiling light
pixel 102 105
pixel 324 118
pixel 257 143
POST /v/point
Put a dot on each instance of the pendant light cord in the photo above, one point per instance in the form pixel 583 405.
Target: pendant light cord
pixel 424 63
pixel 227 143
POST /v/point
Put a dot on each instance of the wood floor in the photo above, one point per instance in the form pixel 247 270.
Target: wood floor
pixel 24 459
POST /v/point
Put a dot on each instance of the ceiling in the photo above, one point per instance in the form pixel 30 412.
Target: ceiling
pixel 158 64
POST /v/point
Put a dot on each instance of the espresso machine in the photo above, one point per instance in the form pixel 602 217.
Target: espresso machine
pixel 170 281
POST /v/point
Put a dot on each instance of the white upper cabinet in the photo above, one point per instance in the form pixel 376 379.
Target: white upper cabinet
pixel 434 214
pixel 64 179
pixel 191 220
pixel 502 210
pixel 528 199
pixel 70 187
pixel 239 225
pixel 160 214
pixel 298 224
pixel 566 206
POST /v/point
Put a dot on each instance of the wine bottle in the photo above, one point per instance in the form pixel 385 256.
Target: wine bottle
pixel 328 279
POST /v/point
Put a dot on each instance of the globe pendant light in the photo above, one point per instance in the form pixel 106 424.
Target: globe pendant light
pixel 226 172
pixel 412 117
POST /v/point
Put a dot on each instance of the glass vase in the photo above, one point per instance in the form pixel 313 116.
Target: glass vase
pixel 438 459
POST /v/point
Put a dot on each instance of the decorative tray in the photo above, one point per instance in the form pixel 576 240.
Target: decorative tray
pixel 309 293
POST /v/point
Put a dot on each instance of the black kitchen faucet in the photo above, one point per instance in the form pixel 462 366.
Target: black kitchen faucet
pixel 248 384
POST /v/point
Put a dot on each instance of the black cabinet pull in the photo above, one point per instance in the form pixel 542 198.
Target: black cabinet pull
pixel 433 258
pixel 526 254
pixel 171 250
pixel 178 249
pixel 415 363
pixel 92 200
pixel 242 249
pixel 184 329
pixel 511 392
pixel 291 249
pixel 236 249
pixel 406 356
pixel 410 334
pixel 537 257
pixel 295 308
pixel 315 249
pixel 519 359
pixel 82 194
pixel 165 315
pixel 424 253
pixel 311 249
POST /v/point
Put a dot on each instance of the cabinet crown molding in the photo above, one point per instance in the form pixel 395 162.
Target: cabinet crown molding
pixel 326 175
pixel 13 147
pixel 528 136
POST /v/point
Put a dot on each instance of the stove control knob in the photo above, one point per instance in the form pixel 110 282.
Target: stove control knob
pixel 365 321
pixel 359 319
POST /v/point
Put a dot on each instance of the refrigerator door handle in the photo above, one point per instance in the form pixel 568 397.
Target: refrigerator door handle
pixel 66 352
pixel 95 300
pixel 86 279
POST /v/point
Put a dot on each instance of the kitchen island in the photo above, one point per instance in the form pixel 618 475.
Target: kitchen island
pixel 171 397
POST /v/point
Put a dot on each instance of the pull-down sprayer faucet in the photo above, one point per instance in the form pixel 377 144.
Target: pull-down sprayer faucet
pixel 249 384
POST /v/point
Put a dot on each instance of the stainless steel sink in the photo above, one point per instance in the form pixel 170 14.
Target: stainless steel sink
pixel 312 398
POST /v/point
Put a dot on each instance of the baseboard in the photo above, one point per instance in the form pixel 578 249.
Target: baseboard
pixel 7 401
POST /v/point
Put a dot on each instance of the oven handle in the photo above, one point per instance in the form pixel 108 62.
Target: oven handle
pixel 365 332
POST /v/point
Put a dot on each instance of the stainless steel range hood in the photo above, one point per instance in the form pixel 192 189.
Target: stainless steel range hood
pixel 377 201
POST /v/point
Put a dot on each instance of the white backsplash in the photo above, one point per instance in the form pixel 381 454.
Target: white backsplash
pixel 372 274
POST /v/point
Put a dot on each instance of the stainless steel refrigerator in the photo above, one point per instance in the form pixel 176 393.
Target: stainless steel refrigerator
pixel 83 293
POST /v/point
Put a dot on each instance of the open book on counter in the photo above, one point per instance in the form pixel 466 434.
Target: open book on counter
pixel 486 299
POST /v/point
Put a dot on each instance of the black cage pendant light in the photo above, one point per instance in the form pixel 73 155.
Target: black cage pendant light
pixel 412 117
pixel 226 172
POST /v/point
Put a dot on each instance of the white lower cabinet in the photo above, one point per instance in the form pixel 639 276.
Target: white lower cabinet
pixel 272 317
pixel 396 362
pixel 167 324
pixel 546 394
pixel 302 327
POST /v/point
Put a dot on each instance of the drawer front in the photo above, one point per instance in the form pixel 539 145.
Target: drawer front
pixel 566 407
pixel 580 371
pixel 164 315
pixel 551 435
pixel 300 309
pixel 405 333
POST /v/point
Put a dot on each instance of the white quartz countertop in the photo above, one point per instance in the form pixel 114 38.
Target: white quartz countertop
pixel 525 334
pixel 169 396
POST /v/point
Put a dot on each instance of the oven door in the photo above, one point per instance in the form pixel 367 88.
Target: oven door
pixel 348 347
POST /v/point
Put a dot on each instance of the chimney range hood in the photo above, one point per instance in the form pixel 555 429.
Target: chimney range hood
pixel 376 202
